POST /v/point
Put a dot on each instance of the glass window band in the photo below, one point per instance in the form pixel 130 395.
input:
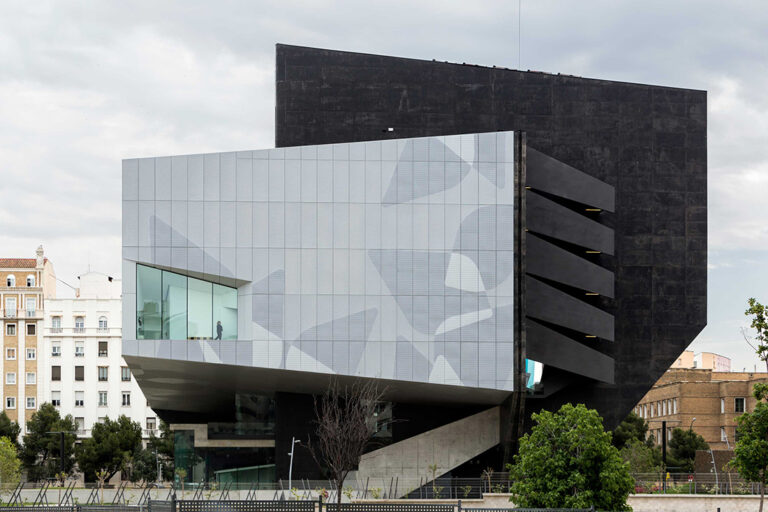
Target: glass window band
pixel 171 306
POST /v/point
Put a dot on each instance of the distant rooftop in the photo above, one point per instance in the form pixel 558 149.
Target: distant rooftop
pixel 19 262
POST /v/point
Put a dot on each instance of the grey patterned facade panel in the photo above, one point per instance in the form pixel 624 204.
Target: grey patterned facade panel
pixel 383 259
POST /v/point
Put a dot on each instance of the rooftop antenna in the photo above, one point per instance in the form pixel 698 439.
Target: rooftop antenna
pixel 519 37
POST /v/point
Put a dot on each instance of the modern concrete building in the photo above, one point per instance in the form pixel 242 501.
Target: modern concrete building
pixel 82 371
pixel 402 232
pixel 706 400
pixel 25 285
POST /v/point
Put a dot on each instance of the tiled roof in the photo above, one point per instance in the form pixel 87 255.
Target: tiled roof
pixel 18 262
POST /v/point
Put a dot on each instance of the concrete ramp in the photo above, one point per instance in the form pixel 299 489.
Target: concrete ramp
pixel 447 447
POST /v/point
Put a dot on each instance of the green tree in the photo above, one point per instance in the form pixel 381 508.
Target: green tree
pixel 682 449
pixel 110 447
pixel 163 445
pixel 751 453
pixel 760 324
pixel 40 453
pixel 641 457
pixel 10 465
pixel 9 429
pixel 631 428
pixel 568 461
pixel 143 466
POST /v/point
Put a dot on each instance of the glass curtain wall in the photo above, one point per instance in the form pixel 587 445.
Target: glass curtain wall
pixel 200 309
pixel 148 290
pixel 174 306
pixel 171 306
pixel 224 312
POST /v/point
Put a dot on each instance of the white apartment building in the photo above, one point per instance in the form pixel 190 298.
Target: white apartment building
pixel 82 371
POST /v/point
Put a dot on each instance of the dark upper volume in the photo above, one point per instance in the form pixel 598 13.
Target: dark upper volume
pixel 648 142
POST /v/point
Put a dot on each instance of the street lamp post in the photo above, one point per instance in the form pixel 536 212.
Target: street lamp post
pixel 294 442
pixel 691 426
pixel 61 447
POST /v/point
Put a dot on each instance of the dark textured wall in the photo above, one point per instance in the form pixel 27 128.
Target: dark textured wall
pixel 647 141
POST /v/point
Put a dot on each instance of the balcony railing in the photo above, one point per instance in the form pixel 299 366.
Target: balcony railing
pixel 88 331
pixel 21 313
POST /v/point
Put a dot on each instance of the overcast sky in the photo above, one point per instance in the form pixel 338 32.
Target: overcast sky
pixel 86 84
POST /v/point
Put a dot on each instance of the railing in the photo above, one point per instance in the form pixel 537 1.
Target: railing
pixel 88 331
pixel 722 482
pixel 21 313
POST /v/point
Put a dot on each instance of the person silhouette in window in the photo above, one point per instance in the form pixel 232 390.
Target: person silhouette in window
pixel 219 330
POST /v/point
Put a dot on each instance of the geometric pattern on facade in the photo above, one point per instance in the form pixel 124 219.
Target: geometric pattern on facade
pixel 385 259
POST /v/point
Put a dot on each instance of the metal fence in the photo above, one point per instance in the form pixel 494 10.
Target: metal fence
pixel 694 483
pixel 246 506
pixel 275 506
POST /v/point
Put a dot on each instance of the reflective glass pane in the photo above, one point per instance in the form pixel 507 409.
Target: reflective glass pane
pixel 174 306
pixel 147 303
pixel 199 324
pixel 224 312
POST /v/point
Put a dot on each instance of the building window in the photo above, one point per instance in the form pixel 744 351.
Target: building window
pixel 125 373
pixel 56 398
pixel 126 398
pixel 79 373
pixel 103 373
pixel 79 324
pixel 31 378
pixel 79 349
pixel 723 435
pixel 738 405
pixel 31 329
pixel 10 353
pixel 10 329
pixel 55 324
pixel 102 419
pixel 103 349
pixel 31 402
pixel 10 281
pixel 56 350
pixel 151 424
pixel 55 372
pixel 31 307
pixel 664 408
pixel 80 425
pixel 79 398
pixel 722 406
pixel 10 307
pixel 102 398
pixel 103 324
pixel 171 306
pixel 10 378
pixel 31 354
pixel 10 402
pixel 674 403
pixel 30 281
